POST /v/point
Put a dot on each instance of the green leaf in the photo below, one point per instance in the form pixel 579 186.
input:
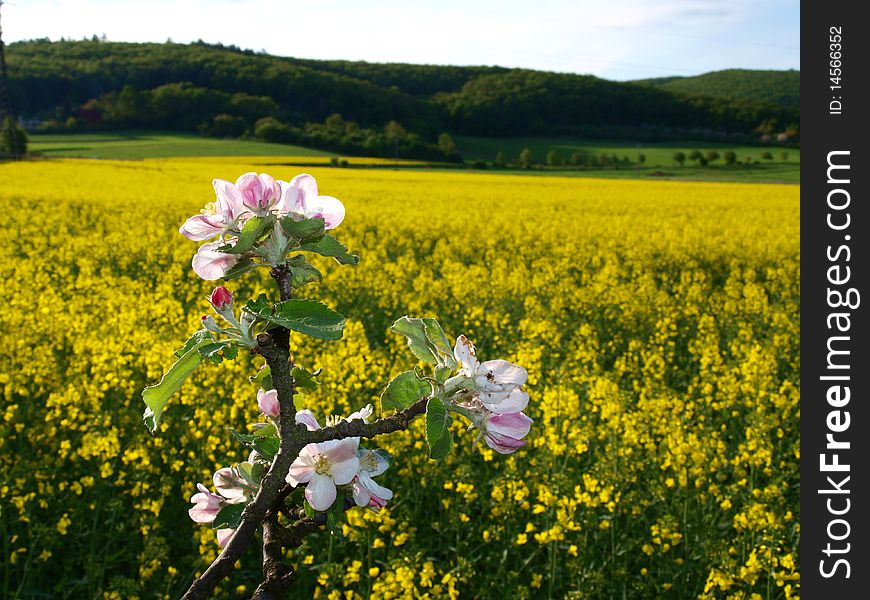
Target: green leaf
pixel 229 517
pixel 203 335
pixel 156 396
pixel 415 331
pixel 252 230
pixel 302 272
pixel 438 434
pixel 329 246
pixel 267 447
pixel 439 342
pixel 304 379
pixel 442 374
pixel 306 230
pixel 309 510
pixel 334 517
pixel 217 351
pixel 269 430
pixel 404 390
pixel 240 268
pixel 305 316
pixel 263 378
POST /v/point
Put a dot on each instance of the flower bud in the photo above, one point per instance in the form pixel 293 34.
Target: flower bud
pixel 268 403
pixel 221 298
pixel 209 323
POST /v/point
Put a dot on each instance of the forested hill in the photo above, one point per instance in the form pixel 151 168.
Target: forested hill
pixel 221 90
pixel 772 87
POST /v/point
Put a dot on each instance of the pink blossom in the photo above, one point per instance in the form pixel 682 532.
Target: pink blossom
pixel 258 192
pixel 301 198
pixel 323 466
pixel 218 217
pixel 210 264
pixel 268 403
pixel 504 433
pixel 365 489
pixel 206 505
pixel 231 485
pixel 497 383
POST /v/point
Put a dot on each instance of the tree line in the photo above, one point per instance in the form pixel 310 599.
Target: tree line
pixel 229 92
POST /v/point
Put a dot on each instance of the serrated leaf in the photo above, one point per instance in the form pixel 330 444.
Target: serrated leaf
pixel 302 272
pixel 156 396
pixel 253 228
pixel 304 379
pixel 263 378
pixel 306 230
pixel 305 316
pixel 203 335
pixel 438 434
pixel 219 349
pixel 442 373
pixel 415 331
pixel 329 246
pixel 229 517
pixel 267 447
pixel 439 342
pixel 403 391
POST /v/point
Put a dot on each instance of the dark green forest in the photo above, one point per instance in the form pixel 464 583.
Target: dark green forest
pixel 771 87
pixel 356 107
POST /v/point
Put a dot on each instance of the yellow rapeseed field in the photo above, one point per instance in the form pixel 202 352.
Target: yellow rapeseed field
pixel 659 323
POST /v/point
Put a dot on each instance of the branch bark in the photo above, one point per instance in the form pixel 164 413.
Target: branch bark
pixel 274 346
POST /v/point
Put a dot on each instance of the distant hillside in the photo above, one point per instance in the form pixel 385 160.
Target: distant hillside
pixel 772 87
pixel 227 92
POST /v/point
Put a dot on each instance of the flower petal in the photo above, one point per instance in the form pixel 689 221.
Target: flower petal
pixel 502 443
pixel 229 200
pixel 320 492
pixel 330 209
pixel 344 471
pixel 515 425
pixel 360 494
pixel 306 417
pixel 374 487
pixel 307 184
pixel 202 227
pixel 502 372
pixel 211 265
pixel 511 402
pixel 267 401
pixel 224 536
pixel 465 355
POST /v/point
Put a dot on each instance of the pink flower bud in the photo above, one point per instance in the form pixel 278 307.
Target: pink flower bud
pixel 221 298
pixel 268 403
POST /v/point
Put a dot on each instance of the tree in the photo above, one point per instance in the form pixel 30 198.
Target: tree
pixel 784 156
pixel 577 159
pixel 525 158
pixel 553 158
pixel 679 157
pixel 446 145
pixel 13 139
pixel 730 157
pixel 499 160
pixel 695 156
pixel 711 156
pixel 641 158
pixel 766 155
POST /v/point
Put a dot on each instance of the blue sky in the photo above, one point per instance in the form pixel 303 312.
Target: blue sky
pixel 616 39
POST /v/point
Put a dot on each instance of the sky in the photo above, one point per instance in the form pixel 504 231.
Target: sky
pixel 614 39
